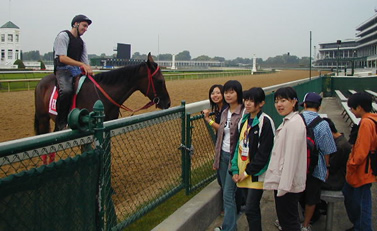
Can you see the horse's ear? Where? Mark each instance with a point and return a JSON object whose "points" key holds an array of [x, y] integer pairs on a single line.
{"points": [[150, 58]]}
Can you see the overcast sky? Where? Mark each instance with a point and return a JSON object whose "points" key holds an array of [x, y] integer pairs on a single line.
{"points": [[225, 28]]}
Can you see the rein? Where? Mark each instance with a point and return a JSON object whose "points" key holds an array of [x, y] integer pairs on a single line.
{"points": [[155, 100]]}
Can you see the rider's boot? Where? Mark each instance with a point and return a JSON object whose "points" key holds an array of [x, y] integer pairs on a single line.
{"points": [[62, 117]]}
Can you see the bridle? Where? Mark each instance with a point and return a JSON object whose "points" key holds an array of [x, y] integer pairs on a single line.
{"points": [[156, 99]]}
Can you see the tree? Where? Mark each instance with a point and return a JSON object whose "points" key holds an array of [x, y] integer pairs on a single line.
{"points": [[304, 62], [137, 55], [31, 55], [216, 58], [165, 57], [19, 63], [202, 58], [183, 56], [285, 60], [239, 62], [48, 56]]}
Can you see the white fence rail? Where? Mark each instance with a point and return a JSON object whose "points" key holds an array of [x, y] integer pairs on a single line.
{"points": [[28, 81]]}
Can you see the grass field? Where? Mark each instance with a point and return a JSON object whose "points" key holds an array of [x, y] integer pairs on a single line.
{"points": [[6, 85]]}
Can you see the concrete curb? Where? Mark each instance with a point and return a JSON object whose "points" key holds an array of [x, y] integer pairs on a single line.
{"points": [[198, 213]]}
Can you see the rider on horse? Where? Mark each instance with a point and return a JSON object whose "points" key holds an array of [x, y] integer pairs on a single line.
{"points": [[70, 60]]}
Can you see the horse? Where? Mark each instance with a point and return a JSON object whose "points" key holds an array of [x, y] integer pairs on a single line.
{"points": [[113, 88]]}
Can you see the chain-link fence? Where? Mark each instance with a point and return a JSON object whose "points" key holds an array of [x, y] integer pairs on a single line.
{"points": [[202, 138], [62, 181], [39, 196], [145, 165], [105, 178]]}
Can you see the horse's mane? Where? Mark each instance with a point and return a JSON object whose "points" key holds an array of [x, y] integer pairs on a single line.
{"points": [[118, 75]]}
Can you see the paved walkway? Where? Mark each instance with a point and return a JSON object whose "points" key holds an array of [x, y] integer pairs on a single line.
{"points": [[332, 108]]}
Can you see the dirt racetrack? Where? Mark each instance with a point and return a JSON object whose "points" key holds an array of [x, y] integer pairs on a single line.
{"points": [[17, 108]]}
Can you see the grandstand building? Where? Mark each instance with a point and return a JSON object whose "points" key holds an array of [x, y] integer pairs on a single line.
{"points": [[10, 45], [360, 52]]}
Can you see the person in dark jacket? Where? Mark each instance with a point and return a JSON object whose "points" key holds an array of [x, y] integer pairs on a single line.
{"points": [[337, 168], [253, 153], [218, 105], [338, 160]]}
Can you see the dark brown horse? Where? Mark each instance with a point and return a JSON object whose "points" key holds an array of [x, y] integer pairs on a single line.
{"points": [[119, 84]]}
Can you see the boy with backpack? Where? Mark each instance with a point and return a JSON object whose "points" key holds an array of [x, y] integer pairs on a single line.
{"points": [[319, 159], [360, 172]]}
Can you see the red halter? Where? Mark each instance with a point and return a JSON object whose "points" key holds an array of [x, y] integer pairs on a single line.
{"points": [[155, 100]]}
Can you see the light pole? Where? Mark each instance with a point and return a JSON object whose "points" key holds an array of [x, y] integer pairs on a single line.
{"points": [[310, 57], [353, 62], [338, 55]]}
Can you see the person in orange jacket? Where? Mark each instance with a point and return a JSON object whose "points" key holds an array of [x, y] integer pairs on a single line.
{"points": [[359, 175]]}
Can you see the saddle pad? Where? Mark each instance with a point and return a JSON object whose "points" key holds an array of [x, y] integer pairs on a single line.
{"points": [[52, 102], [54, 96]]}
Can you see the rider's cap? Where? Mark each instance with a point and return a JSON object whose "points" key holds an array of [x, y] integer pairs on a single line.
{"points": [[81, 18]]}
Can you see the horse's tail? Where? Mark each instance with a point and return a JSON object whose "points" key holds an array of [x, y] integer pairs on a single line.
{"points": [[41, 116], [41, 124]]}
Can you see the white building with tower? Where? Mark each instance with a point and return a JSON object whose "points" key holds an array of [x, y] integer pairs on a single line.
{"points": [[10, 45]]}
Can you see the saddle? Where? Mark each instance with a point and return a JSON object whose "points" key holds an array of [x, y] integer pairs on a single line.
{"points": [[77, 84]]}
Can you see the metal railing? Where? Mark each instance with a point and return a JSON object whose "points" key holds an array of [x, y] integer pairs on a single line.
{"points": [[124, 167], [27, 81], [30, 83], [144, 160]]}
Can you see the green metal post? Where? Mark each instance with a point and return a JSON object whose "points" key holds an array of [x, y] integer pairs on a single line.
{"points": [[183, 142], [188, 154], [99, 117]]}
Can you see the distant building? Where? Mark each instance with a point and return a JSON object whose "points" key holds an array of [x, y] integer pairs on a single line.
{"points": [[360, 52], [123, 58], [10, 44], [344, 51], [367, 39]]}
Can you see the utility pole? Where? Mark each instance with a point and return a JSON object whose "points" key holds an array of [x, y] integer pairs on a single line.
{"points": [[338, 56], [310, 57], [158, 47]]}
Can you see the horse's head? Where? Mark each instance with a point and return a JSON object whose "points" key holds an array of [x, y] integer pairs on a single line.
{"points": [[154, 86]]}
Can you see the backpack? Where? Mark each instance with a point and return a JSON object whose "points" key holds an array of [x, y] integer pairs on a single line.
{"points": [[372, 157], [311, 146]]}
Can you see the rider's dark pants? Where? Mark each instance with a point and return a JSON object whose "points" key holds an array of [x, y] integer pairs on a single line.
{"points": [[64, 80]]}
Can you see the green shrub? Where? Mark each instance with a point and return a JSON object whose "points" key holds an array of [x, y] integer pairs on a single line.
{"points": [[19, 63], [43, 66]]}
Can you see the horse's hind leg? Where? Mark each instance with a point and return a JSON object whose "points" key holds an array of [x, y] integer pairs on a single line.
{"points": [[42, 126]]}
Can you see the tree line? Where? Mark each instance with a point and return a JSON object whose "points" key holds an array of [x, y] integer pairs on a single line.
{"points": [[284, 60]]}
